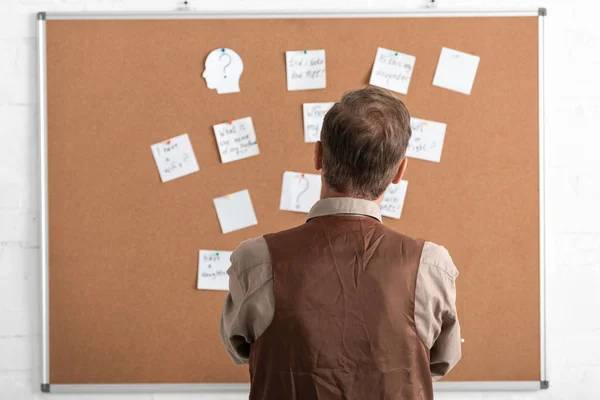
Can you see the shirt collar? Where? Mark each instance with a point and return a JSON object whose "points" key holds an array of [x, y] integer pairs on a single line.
{"points": [[344, 206]]}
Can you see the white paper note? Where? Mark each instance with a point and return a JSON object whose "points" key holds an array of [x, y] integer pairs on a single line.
{"points": [[392, 70], [175, 158], [212, 269], [313, 120], [427, 140], [393, 200], [236, 139], [456, 70], [299, 192], [235, 211], [305, 69]]}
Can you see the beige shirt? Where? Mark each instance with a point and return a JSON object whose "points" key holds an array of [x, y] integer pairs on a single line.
{"points": [[250, 305]]}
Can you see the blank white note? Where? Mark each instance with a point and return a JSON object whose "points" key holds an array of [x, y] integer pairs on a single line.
{"points": [[175, 158], [235, 211], [393, 200], [212, 269], [456, 70], [236, 139], [427, 140], [313, 120], [299, 191], [305, 69], [392, 70]]}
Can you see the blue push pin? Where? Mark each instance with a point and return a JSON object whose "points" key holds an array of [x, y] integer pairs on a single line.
{"points": [[223, 50]]}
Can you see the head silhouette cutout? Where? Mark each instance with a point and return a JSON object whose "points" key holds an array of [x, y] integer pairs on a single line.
{"points": [[223, 69]]}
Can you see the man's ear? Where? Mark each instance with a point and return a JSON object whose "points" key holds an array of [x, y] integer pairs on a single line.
{"points": [[318, 156], [401, 170]]}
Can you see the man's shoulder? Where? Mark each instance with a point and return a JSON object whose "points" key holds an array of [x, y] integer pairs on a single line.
{"points": [[438, 257], [249, 254]]}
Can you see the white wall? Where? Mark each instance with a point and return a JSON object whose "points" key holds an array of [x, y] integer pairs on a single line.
{"points": [[573, 188]]}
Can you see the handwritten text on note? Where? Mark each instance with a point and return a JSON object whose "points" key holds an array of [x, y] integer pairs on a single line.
{"points": [[392, 70], [212, 269], [427, 140], [174, 158], [236, 139], [299, 192], [313, 120], [456, 70], [393, 200], [305, 69]]}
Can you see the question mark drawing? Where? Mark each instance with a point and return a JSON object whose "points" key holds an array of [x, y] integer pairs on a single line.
{"points": [[226, 65], [302, 179]]}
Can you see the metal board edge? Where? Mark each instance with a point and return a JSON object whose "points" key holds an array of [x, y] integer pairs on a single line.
{"points": [[43, 132], [355, 13], [542, 188], [245, 388]]}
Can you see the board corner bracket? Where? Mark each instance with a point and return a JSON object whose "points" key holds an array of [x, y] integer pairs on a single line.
{"points": [[544, 385]]}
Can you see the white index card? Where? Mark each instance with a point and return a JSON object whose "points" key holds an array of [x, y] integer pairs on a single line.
{"points": [[313, 120], [393, 200], [175, 158], [392, 70], [299, 192], [235, 211], [305, 69], [236, 139], [427, 140], [212, 269], [456, 70]]}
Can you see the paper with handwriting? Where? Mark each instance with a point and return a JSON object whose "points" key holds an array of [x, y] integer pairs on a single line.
{"points": [[393, 200], [299, 191], [427, 140], [236, 139], [392, 70], [313, 120], [456, 70], [212, 269], [305, 69], [235, 211], [174, 158]]}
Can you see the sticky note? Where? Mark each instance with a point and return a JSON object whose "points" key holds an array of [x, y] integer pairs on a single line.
{"points": [[427, 140], [313, 120], [236, 139], [392, 70], [456, 70], [299, 191], [175, 158], [393, 200], [212, 269], [235, 211], [305, 69]]}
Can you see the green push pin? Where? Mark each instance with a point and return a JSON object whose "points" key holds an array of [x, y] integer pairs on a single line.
{"points": [[304, 51], [396, 54]]}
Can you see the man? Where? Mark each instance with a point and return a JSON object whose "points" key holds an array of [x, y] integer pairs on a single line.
{"points": [[343, 307]]}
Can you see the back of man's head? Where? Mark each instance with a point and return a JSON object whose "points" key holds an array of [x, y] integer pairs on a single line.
{"points": [[364, 139]]}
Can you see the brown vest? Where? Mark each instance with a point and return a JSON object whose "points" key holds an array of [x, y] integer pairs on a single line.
{"points": [[344, 324]]}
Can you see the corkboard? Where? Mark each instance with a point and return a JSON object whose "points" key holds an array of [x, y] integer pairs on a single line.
{"points": [[123, 245]]}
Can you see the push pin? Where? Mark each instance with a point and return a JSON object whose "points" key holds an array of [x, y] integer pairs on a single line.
{"points": [[304, 51], [229, 196], [303, 175], [230, 122], [462, 340], [169, 141]]}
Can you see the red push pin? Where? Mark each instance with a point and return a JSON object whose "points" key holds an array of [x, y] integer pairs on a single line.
{"points": [[169, 141], [230, 122], [303, 175]]}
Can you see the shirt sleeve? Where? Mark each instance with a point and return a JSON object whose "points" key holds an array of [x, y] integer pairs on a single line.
{"points": [[435, 309], [250, 304]]}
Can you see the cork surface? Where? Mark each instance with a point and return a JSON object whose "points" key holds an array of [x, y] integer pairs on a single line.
{"points": [[124, 246]]}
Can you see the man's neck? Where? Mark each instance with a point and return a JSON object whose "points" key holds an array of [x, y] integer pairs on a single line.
{"points": [[327, 193]]}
